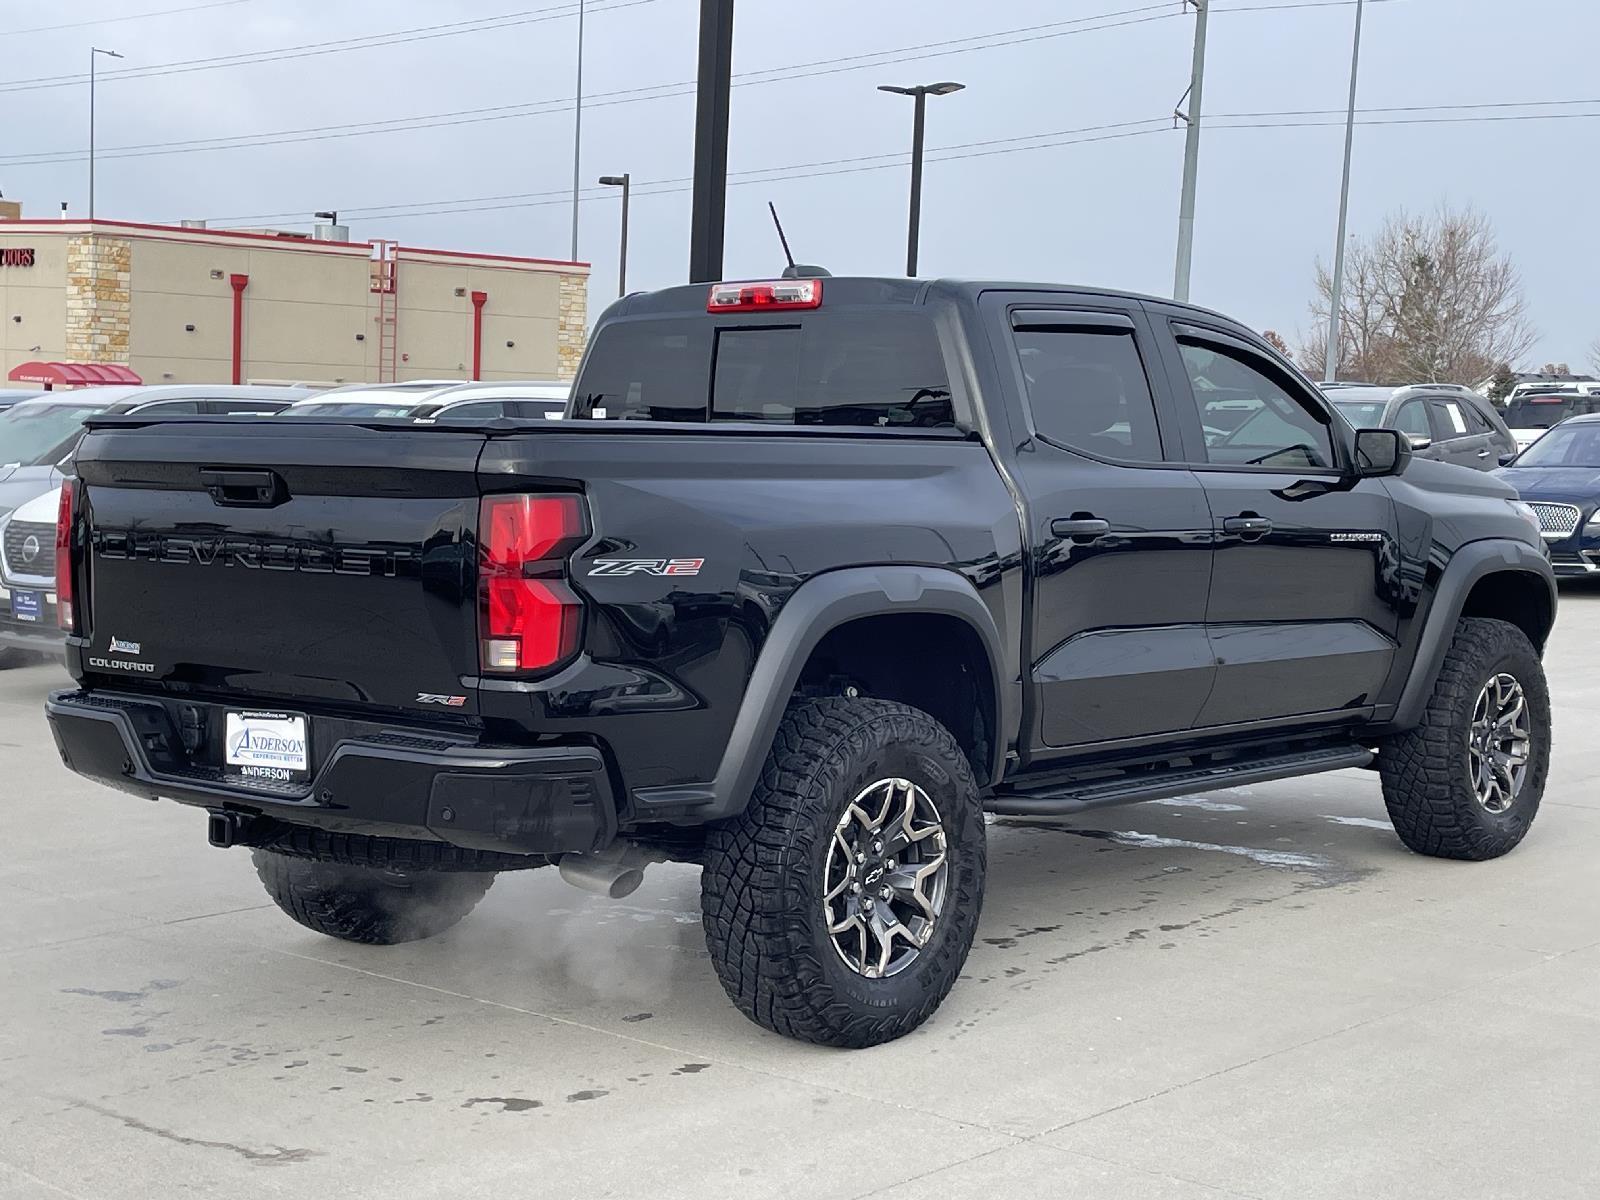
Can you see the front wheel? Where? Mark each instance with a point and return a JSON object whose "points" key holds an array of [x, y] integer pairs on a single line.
{"points": [[840, 905], [377, 906], [1466, 782]]}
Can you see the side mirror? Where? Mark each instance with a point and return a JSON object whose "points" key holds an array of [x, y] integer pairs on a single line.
{"points": [[1381, 452], [1506, 459]]}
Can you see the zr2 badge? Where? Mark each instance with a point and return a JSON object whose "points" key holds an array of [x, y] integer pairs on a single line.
{"points": [[647, 566]]}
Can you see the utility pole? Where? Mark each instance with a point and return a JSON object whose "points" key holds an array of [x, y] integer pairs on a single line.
{"points": [[1191, 152], [1330, 366], [711, 141], [577, 136], [93, 53]]}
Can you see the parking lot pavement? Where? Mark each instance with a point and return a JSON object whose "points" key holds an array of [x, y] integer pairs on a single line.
{"points": [[1253, 993]]}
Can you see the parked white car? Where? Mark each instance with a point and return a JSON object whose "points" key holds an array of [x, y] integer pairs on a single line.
{"points": [[28, 579], [432, 403]]}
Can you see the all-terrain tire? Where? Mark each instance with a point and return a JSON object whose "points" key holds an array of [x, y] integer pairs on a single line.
{"points": [[762, 892], [1428, 785], [369, 905]]}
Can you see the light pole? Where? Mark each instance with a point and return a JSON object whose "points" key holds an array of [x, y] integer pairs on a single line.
{"points": [[920, 95], [93, 51], [1330, 366], [622, 181], [577, 136]]}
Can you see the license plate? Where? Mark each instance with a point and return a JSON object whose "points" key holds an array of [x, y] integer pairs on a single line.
{"points": [[27, 606], [267, 747]]}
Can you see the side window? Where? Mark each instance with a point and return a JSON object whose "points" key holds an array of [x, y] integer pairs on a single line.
{"points": [[1248, 418], [1476, 421], [170, 407], [480, 410], [536, 410], [1088, 391], [1452, 424], [258, 408], [1412, 420]]}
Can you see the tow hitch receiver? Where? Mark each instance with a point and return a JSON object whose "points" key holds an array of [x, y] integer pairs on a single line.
{"points": [[226, 829]]}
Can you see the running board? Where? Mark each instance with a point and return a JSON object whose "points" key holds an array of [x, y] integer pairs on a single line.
{"points": [[1072, 798]]}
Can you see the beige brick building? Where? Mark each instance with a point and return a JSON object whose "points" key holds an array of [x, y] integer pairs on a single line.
{"points": [[190, 305]]}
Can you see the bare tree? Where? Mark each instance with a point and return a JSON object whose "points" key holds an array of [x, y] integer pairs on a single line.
{"points": [[1594, 356], [1428, 298]]}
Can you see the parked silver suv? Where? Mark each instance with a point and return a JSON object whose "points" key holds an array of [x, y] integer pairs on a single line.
{"points": [[1443, 421]]}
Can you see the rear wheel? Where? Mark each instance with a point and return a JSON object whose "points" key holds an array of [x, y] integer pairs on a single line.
{"points": [[375, 906], [840, 906], [1467, 781]]}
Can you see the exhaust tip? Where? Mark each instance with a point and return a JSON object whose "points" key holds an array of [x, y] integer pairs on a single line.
{"points": [[604, 876]]}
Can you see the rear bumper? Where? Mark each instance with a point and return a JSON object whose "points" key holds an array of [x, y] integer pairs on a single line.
{"points": [[384, 783]]}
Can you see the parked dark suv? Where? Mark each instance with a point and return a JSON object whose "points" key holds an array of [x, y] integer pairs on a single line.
{"points": [[1442, 421]]}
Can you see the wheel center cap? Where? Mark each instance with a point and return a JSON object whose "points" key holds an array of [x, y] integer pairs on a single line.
{"points": [[873, 875]]}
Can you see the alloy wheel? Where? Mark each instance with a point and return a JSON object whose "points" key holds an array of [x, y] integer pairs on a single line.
{"points": [[886, 878], [1499, 743]]}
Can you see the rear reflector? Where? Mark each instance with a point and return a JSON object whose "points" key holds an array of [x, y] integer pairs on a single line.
{"points": [[765, 297], [528, 618], [64, 612]]}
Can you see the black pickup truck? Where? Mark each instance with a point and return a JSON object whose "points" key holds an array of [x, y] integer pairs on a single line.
{"points": [[816, 573]]}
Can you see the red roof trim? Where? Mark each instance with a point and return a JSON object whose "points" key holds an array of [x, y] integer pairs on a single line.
{"points": [[516, 258], [61, 374]]}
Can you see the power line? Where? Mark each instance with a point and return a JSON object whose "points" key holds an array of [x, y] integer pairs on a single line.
{"points": [[982, 149], [398, 37], [1417, 121], [896, 157], [806, 70], [776, 178], [160, 12]]}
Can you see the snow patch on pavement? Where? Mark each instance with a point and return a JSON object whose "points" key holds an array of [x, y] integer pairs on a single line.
{"points": [[1199, 802]]}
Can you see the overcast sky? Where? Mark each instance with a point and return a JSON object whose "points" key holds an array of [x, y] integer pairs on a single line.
{"points": [[1100, 212]]}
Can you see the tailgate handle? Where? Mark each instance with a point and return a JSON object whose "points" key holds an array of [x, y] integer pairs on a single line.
{"points": [[245, 489]]}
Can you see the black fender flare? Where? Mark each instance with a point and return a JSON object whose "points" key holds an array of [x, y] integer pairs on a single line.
{"points": [[819, 605], [1466, 567]]}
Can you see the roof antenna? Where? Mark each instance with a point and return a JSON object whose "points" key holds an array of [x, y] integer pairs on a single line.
{"points": [[793, 271], [773, 209]]}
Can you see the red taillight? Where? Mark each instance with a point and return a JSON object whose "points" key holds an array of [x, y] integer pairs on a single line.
{"points": [[765, 297], [64, 612], [529, 618]]}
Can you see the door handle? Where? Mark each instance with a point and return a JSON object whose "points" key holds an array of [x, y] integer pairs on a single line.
{"points": [[1080, 529], [1249, 528], [1484, 453]]}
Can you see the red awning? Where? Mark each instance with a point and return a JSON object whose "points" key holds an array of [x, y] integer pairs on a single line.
{"points": [[60, 374]]}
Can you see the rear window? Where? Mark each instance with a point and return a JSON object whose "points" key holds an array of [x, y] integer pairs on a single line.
{"points": [[851, 367], [1362, 415], [1541, 412], [32, 435]]}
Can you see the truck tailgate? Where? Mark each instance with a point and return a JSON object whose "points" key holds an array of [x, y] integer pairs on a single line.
{"points": [[282, 559]]}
